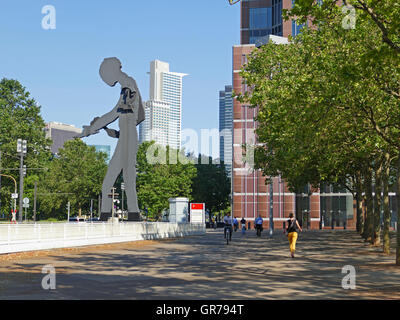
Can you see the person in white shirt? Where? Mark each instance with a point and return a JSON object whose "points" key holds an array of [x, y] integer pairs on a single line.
{"points": [[228, 224]]}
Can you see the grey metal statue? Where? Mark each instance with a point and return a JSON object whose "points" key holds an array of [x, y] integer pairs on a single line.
{"points": [[130, 112]]}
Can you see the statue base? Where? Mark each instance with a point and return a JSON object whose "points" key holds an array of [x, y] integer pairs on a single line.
{"points": [[134, 216], [105, 216]]}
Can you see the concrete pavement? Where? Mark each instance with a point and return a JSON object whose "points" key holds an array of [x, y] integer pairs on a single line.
{"points": [[204, 267]]}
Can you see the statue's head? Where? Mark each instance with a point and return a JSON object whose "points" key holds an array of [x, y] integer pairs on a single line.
{"points": [[110, 71]]}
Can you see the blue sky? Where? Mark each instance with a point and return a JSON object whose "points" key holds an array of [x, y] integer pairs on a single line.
{"points": [[60, 67]]}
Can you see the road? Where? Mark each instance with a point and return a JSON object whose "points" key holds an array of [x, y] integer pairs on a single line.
{"points": [[204, 267]]}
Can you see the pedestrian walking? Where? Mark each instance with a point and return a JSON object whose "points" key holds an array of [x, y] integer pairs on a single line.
{"points": [[293, 226], [235, 224], [243, 222], [259, 225]]}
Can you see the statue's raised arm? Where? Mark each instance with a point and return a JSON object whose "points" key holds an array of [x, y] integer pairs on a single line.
{"points": [[99, 123]]}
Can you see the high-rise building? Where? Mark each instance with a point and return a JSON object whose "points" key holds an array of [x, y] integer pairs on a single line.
{"points": [[226, 127], [261, 21], [166, 98], [156, 126], [59, 133]]}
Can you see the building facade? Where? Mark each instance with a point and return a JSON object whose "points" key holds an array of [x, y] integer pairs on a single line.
{"points": [[59, 133], [157, 127], [261, 21], [165, 89], [226, 128], [261, 18]]}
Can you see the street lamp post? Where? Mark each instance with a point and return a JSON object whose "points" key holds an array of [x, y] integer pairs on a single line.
{"points": [[34, 202], [271, 210], [21, 149], [122, 191], [91, 209]]}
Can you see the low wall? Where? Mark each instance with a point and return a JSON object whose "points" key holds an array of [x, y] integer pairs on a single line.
{"points": [[29, 237]]}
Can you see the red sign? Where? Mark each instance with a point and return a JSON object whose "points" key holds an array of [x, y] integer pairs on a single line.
{"points": [[197, 206]]}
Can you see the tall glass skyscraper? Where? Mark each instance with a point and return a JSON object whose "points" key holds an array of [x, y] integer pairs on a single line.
{"points": [[165, 106], [226, 128], [156, 126]]}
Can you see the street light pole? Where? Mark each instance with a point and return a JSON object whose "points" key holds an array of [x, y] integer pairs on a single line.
{"points": [[91, 209], [122, 191], [112, 207], [271, 210], [34, 203], [21, 149]]}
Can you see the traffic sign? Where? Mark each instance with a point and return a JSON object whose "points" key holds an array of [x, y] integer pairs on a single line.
{"points": [[14, 196], [25, 205], [25, 200], [115, 195]]}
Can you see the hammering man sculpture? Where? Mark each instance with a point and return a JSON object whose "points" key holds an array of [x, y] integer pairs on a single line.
{"points": [[130, 112]]}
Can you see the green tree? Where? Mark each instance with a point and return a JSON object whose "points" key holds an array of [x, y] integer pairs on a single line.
{"points": [[20, 118], [162, 173], [76, 175], [211, 185], [326, 114]]}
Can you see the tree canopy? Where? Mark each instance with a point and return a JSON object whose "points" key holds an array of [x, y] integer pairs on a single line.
{"points": [[158, 181]]}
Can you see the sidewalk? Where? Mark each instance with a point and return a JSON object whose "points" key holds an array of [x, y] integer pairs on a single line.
{"points": [[204, 267]]}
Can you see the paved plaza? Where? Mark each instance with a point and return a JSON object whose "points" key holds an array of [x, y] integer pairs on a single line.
{"points": [[204, 267]]}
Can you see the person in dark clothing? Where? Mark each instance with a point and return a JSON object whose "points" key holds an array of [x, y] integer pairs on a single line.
{"points": [[291, 230], [243, 222]]}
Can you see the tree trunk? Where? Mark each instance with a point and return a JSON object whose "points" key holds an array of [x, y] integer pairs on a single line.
{"points": [[360, 222], [386, 209], [367, 235], [376, 235], [398, 213]]}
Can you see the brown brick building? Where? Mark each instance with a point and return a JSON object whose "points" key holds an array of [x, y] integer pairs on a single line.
{"points": [[261, 20]]}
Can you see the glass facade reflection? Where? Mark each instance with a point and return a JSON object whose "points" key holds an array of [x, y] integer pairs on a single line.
{"points": [[260, 18], [336, 205]]}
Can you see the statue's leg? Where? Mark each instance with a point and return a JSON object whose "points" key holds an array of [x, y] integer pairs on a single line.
{"points": [[129, 173], [113, 171]]}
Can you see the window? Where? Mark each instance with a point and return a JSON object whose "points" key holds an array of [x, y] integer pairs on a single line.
{"points": [[260, 18]]}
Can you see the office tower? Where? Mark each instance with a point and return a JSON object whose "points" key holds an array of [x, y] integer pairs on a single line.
{"points": [[261, 22], [226, 127], [166, 100], [157, 125], [59, 133]]}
